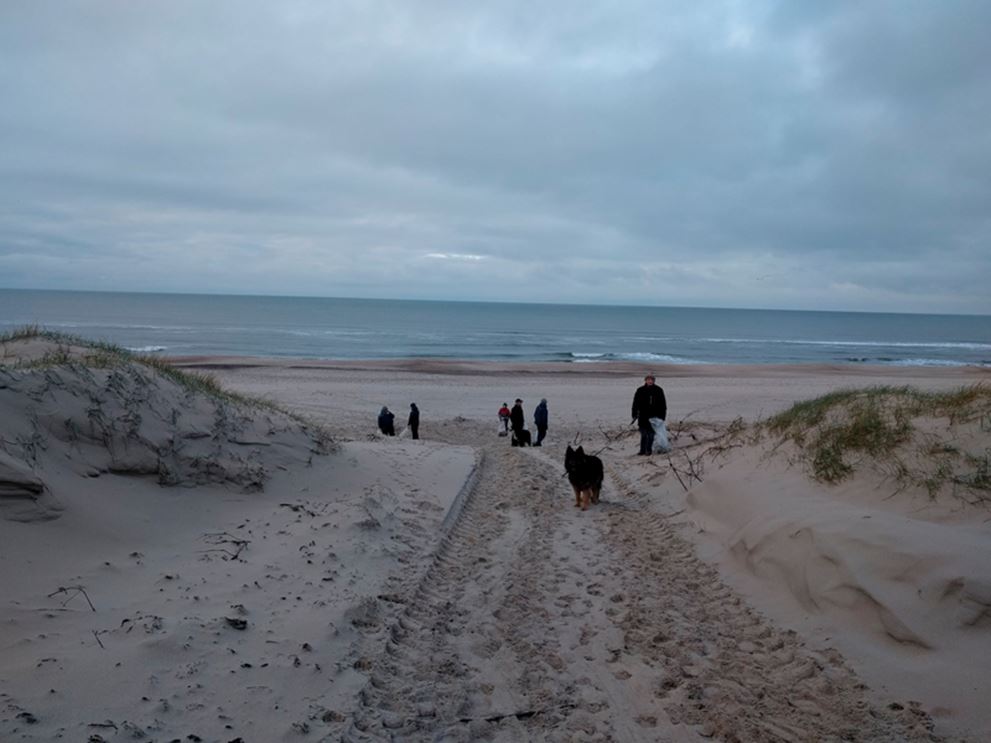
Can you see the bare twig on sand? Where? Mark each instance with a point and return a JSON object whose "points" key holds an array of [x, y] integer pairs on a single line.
{"points": [[718, 449], [227, 544], [692, 471], [678, 428], [521, 715], [678, 475], [298, 508], [77, 589], [96, 634], [613, 437]]}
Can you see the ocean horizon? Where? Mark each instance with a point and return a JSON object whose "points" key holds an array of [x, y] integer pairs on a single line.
{"points": [[345, 328]]}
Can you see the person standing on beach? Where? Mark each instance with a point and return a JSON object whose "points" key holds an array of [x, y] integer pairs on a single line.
{"points": [[517, 419], [414, 420], [540, 420], [504, 419], [386, 422], [648, 402]]}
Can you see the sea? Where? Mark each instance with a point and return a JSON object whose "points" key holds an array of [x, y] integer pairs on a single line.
{"points": [[334, 328]]}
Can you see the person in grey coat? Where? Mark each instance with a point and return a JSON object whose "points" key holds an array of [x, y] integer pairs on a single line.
{"points": [[540, 420]]}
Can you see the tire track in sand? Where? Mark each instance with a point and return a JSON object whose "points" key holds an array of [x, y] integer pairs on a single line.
{"points": [[537, 621], [497, 640], [439, 671]]}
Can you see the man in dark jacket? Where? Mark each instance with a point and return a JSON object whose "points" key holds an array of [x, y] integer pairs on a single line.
{"points": [[516, 418], [414, 420], [540, 421], [648, 402]]}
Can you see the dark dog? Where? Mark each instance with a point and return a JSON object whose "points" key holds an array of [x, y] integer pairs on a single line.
{"points": [[520, 438], [585, 475]]}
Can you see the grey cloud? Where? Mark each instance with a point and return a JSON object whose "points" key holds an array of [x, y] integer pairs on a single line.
{"points": [[657, 153]]}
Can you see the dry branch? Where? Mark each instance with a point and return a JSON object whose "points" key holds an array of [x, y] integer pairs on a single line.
{"points": [[678, 428], [78, 590], [220, 540], [520, 715], [298, 508], [613, 437], [678, 475], [693, 471]]}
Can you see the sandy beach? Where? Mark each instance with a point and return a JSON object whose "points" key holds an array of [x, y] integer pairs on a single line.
{"points": [[178, 568]]}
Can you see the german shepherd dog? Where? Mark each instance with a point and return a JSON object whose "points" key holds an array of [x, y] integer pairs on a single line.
{"points": [[520, 438], [584, 474]]}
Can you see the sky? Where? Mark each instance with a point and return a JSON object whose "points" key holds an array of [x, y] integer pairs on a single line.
{"points": [[794, 155]]}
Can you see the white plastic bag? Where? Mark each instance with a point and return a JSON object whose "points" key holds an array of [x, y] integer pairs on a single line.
{"points": [[661, 443]]}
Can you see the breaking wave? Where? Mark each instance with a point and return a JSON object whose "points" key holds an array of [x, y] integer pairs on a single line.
{"points": [[662, 358]]}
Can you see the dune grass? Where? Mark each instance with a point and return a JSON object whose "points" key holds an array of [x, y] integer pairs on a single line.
{"points": [[835, 432], [25, 332], [95, 354]]}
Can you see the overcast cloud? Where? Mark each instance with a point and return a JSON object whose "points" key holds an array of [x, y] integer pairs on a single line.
{"points": [[826, 155]]}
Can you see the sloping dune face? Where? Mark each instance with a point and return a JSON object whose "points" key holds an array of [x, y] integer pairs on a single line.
{"points": [[178, 563], [120, 416], [868, 518]]}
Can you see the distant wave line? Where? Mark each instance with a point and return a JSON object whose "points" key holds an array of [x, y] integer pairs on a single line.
{"points": [[885, 361], [108, 326], [970, 346]]}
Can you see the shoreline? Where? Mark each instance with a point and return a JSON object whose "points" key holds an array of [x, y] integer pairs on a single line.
{"points": [[347, 395], [455, 366]]}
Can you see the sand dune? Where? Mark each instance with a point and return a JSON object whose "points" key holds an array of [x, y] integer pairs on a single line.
{"points": [[182, 566], [905, 594]]}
